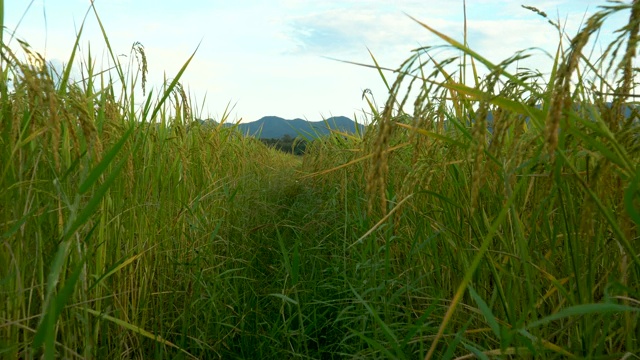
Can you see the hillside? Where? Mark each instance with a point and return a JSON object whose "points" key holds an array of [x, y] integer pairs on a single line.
{"points": [[274, 127]]}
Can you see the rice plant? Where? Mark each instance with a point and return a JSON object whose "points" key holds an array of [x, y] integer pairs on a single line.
{"points": [[509, 205]]}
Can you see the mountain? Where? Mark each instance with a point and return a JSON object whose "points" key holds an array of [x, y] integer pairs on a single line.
{"points": [[273, 127]]}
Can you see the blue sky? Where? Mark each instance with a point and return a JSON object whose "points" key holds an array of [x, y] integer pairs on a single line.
{"points": [[270, 57]]}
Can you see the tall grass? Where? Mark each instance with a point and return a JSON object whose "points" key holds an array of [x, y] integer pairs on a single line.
{"points": [[509, 205], [498, 218], [112, 215]]}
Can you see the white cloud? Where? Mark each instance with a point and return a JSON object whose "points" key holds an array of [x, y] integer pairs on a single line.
{"points": [[267, 56]]}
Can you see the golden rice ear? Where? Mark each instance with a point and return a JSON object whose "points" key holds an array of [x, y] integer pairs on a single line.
{"points": [[376, 187], [561, 99], [186, 107], [37, 88], [138, 49], [379, 166], [632, 45], [623, 92]]}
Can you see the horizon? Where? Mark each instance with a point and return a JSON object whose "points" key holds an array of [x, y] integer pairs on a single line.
{"points": [[283, 63], [294, 119]]}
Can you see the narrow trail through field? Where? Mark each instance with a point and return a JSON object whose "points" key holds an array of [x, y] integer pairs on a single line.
{"points": [[288, 265], [293, 206]]}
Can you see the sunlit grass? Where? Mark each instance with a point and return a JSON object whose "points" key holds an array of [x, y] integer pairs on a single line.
{"points": [[509, 204], [497, 218]]}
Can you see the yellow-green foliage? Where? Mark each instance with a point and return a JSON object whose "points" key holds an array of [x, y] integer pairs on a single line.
{"points": [[526, 193], [102, 206]]}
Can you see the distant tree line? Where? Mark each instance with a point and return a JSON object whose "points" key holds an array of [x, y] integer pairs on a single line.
{"points": [[288, 144]]}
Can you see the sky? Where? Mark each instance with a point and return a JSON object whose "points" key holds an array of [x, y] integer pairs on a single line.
{"points": [[277, 57]]}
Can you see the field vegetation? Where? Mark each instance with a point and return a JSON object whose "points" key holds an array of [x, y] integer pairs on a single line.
{"points": [[490, 216], [288, 144]]}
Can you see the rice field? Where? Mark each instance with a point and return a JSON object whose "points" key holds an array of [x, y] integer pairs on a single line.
{"points": [[477, 216]]}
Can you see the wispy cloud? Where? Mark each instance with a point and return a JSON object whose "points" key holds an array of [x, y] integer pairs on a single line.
{"points": [[268, 56], [323, 33], [350, 31]]}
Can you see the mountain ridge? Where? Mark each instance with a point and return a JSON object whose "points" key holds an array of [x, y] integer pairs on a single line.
{"points": [[275, 127]]}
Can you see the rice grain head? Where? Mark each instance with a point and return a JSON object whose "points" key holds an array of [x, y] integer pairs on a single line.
{"points": [[561, 100], [138, 50]]}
